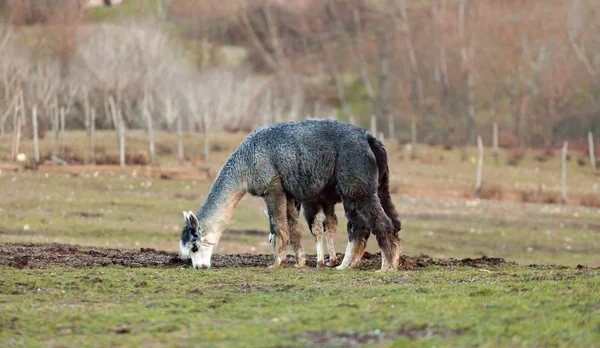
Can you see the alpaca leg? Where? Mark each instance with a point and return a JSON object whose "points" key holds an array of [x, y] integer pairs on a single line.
{"points": [[367, 215], [356, 240], [330, 230], [317, 230], [296, 232], [362, 245], [277, 211]]}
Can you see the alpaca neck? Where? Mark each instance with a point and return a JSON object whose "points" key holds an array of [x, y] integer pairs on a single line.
{"points": [[226, 192]]}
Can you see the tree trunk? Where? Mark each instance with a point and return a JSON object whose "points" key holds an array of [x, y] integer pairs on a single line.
{"points": [[412, 57], [591, 150], [564, 174], [467, 60], [36, 148], [479, 179], [381, 106]]}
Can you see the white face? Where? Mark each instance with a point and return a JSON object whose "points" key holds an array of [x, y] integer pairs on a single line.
{"points": [[196, 249], [201, 257]]}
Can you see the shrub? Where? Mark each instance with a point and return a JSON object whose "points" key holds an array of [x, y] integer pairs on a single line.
{"points": [[507, 140], [164, 149], [590, 200], [515, 156], [528, 196], [550, 198], [491, 191]]}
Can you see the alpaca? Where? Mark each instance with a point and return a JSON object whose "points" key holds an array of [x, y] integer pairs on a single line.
{"points": [[302, 161], [322, 221]]}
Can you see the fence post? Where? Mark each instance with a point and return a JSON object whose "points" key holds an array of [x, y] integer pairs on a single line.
{"points": [[495, 142], [36, 148], [591, 150], [413, 132], [373, 125], [479, 178], [564, 174], [91, 131], [62, 131]]}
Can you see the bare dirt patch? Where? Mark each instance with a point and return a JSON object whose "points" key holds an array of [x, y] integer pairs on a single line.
{"points": [[33, 255]]}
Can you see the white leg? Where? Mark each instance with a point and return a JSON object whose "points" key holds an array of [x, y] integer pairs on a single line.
{"points": [[317, 230], [330, 229], [320, 253], [347, 257]]}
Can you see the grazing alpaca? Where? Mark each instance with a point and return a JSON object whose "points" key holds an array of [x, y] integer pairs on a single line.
{"points": [[302, 161], [322, 222]]}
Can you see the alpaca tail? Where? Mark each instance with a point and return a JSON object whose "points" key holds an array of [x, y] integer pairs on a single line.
{"points": [[384, 181]]}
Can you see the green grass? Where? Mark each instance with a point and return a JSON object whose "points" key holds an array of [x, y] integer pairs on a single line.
{"points": [[129, 9], [251, 307]]}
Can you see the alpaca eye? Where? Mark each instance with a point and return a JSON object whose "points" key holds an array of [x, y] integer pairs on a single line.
{"points": [[194, 248]]}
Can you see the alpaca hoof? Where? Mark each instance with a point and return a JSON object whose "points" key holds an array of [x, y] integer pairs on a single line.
{"points": [[320, 264], [299, 265], [341, 267], [331, 263]]}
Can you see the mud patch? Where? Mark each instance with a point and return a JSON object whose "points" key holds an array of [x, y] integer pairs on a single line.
{"points": [[34, 255], [350, 339]]}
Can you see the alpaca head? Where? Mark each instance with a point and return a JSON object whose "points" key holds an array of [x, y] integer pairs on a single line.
{"points": [[191, 243]]}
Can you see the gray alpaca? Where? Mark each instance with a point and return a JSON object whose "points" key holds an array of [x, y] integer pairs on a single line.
{"points": [[304, 161], [322, 222]]}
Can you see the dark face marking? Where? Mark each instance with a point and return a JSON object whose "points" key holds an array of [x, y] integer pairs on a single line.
{"points": [[194, 248]]}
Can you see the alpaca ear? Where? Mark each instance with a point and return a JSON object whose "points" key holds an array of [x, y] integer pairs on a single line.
{"points": [[193, 220], [186, 216], [266, 213]]}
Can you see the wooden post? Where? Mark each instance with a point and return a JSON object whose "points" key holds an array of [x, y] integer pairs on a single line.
{"points": [[316, 109], [391, 126], [479, 168], [564, 174], [413, 132], [351, 120], [16, 132], [495, 142], [121, 142], [36, 148], [120, 127], [591, 150], [373, 125], [206, 143], [179, 138], [148, 117], [91, 131], [62, 130]]}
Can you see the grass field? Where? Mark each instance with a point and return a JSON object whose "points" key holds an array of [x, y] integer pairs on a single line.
{"points": [[538, 297]]}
